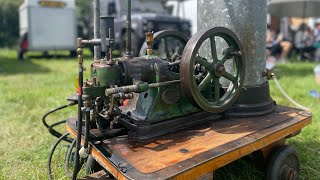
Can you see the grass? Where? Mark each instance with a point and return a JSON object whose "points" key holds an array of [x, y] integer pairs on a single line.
{"points": [[32, 87]]}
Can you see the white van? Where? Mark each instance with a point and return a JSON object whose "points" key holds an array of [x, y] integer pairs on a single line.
{"points": [[47, 25]]}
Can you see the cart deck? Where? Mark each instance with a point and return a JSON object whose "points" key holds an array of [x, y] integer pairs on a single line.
{"points": [[196, 151]]}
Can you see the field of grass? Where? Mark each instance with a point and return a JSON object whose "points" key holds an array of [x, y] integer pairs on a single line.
{"points": [[30, 88]]}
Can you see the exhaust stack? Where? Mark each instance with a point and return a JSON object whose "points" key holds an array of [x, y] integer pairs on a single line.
{"points": [[96, 27], [128, 30]]}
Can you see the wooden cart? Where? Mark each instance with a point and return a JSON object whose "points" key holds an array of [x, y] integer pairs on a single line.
{"points": [[198, 151]]}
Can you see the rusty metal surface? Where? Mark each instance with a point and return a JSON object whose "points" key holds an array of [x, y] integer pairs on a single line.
{"points": [[285, 121], [101, 175]]}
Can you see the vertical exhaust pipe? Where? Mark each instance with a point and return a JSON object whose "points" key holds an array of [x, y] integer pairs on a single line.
{"points": [[96, 28], [107, 32], [128, 30]]}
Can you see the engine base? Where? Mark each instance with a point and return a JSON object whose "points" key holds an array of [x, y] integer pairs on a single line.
{"points": [[146, 132]]}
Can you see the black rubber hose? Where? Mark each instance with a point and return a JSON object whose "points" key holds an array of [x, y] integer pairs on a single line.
{"points": [[78, 142], [80, 104], [50, 127], [51, 154], [67, 158], [56, 133], [79, 124], [50, 112]]}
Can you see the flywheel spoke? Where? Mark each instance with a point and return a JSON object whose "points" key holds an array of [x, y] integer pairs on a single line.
{"points": [[216, 89], [203, 62], [224, 59], [205, 82], [213, 48], [165, 39], [230, 77]]}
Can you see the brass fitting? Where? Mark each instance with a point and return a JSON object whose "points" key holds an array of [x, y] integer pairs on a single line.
{"points": [[149, 40], [268, 74]]}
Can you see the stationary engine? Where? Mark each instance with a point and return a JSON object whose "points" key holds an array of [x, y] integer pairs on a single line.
{"points": [[172, 85], [151, 95]]}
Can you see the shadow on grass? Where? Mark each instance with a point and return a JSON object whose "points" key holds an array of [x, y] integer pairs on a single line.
{"points": [[238, 170], [48, 57], [10, 65]]}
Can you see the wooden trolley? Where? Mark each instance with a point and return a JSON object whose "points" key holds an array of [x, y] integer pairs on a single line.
{"points": [[200, 150]]}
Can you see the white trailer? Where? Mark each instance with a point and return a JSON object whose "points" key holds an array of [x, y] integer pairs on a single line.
{"points": [[47, 25]]}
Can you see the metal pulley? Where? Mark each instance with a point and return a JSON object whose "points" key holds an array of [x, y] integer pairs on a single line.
{"points": [[200, 76], [173, 43]]}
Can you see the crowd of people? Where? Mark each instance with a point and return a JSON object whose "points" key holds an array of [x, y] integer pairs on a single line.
{"points": [[304, 44]]}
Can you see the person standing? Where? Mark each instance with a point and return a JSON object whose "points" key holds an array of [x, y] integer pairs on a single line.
{"points": [[317, 41]]}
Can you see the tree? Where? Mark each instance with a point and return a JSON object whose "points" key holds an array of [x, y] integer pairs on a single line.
{"points": [[84, 16], [9, 22]]}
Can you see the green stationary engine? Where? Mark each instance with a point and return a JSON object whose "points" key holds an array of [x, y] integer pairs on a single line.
{"points": [[150, 95]]}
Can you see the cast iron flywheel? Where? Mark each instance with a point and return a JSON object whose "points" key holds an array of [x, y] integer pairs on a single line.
{"points": [[167, 37], [200, 76]]}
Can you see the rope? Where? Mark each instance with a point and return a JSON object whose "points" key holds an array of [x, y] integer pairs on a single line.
{"points": [[288, 97]]}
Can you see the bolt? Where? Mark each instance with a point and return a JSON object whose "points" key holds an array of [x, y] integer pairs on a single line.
{"points": [[221, 70], [184, 150], [123, 167], [80, 51]]}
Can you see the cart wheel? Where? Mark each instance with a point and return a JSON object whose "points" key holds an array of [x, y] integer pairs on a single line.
{"points": [[283, 164], [92, 165]]}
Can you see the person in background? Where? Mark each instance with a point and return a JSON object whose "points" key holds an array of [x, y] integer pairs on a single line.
{"points": [[304, 42], [317, 41], [278, 45]]}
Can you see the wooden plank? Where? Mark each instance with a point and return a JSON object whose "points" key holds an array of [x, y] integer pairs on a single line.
{"points": [[174, 148], [251, 144]]}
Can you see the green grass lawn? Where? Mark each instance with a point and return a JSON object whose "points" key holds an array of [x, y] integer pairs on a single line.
{"points": [[30, 88]]}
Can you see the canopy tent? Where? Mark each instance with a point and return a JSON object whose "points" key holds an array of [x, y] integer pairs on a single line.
{"points": [[294, 8]]}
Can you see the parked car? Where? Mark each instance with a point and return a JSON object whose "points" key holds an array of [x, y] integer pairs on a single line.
{"points": [[146, 16]]}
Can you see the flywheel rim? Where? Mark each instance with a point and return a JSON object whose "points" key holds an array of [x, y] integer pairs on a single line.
{"points": [[187, 69]]}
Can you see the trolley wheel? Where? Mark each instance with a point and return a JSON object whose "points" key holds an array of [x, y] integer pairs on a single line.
{"points": [[283, 164]]}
